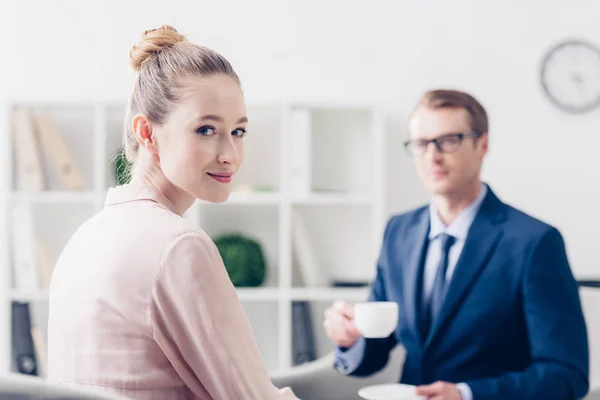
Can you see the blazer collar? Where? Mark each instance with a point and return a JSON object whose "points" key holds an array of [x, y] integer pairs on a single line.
{"points": [[129, 192]]}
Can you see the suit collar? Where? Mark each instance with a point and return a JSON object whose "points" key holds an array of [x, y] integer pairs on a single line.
{"points": [[483, 237], [411, 264]]}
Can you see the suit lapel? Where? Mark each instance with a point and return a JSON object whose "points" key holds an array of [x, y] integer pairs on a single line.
{"points": [[483, 236], [411, 271]]}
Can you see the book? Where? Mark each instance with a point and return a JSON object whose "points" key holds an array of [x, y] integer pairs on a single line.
{"points": [[312, 274], [58, 153], [300, 152], [29, 164], [303, 341], [25, 268], [44, 263], [40, 350], [24, 360]]}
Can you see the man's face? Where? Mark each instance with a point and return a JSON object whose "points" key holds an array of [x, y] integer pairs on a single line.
{"points": [[446, 173]]}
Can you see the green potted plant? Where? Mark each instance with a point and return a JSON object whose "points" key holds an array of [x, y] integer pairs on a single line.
{"points": [[243, 258], [122, 168]]}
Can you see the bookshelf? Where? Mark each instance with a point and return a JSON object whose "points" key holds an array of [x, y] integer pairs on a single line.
{"points": [[315, 166]]}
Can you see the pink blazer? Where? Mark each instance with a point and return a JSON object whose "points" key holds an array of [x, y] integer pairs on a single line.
{"points": [[141, 305]]}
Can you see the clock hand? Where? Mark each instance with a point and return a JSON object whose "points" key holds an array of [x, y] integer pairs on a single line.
{"points": [[578, 79]]}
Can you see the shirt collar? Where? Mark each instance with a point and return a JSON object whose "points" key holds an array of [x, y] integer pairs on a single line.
{"points": [[129, 192], [460, 226]]}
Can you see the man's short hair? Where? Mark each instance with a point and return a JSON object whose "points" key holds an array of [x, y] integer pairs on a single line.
{"points": [[448, 98]]}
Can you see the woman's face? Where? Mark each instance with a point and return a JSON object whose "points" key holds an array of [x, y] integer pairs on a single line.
{"points": [[200, 145]]}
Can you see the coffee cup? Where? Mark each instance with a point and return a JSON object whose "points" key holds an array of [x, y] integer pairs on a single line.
{"points": [[376, 319]]}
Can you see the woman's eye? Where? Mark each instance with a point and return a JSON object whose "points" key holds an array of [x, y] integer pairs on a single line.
{"points": [[239, 132], [206, 131]]}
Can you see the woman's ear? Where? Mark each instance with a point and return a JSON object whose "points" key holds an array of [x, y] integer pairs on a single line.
{"points": [[142, 131]]}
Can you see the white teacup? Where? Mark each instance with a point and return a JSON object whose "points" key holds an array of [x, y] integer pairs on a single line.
{"points": [[376, 319]]}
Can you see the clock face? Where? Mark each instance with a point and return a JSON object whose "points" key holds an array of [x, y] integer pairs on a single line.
{"points": [[570, 75]]}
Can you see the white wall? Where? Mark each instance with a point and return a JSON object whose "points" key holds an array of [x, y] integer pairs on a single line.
{"points": [[541, 160]]}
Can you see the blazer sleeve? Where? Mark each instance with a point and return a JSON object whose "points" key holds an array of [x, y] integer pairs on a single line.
{"points": [[368, 356], [557, 332], [201, 327]]}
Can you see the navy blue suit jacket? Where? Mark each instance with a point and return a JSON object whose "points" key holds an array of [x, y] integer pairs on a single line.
{"points": [[511, 325]]}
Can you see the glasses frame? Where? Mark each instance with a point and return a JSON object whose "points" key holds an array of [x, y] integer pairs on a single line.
{"points": [[437, 141]]}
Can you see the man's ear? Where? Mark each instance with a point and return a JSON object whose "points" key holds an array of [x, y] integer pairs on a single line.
{"points": [[484, 140], [142, 131]]}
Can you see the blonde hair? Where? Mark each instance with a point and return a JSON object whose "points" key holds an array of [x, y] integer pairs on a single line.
{"points": [[448, 98], [161, 58]]}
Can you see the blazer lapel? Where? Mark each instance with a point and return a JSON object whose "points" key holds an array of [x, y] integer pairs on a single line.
{"points": [[483, 236], [411, 269]]}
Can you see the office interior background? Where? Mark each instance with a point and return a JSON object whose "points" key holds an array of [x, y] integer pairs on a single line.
{"points": [[329, 85]]}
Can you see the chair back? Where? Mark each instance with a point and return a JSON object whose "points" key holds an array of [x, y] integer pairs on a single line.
{"points": [[26, 387]]}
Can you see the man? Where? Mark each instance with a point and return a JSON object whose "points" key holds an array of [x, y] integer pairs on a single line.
{"points": [[489, 308]]}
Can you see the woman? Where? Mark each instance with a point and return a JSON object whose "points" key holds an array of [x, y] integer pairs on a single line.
{"points": [[140, 302]]}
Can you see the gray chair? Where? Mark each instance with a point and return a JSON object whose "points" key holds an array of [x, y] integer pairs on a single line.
{"points": [[25, 387], [590, 302], [318, 380]]}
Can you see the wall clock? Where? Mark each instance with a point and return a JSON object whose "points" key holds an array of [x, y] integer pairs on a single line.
{"points": [[570, 75]]}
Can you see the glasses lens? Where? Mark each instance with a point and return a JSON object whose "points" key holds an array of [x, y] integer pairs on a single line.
{"points": [[416, 147], [449, 143]]}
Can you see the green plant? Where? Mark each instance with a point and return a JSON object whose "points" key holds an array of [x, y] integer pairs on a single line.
{"points": [[122, 168], [243, 258]]}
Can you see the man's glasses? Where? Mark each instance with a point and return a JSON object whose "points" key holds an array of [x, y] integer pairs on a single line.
{"points": [[448, 143]]}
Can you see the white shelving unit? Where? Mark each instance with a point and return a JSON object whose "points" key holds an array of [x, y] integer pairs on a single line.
{"points": [[342, 210]]}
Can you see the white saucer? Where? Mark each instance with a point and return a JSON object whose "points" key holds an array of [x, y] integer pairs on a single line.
{"points": [[392, 391]]}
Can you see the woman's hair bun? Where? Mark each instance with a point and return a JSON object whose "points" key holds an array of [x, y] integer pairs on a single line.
{"points": [[153, 41]]}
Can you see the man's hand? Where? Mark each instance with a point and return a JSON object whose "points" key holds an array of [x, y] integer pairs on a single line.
{"points": [[338, 324], [439, 391]]}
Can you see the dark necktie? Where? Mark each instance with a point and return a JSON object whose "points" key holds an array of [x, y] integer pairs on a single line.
{"points": [[433, 306]]}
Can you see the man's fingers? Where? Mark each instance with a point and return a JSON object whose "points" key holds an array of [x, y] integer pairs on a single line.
{"points": [[328, 312], [345, 325], [344, 308], [341, 331], [338, 324], [340, 338], [334, 316], [424, 390], [434, 389], [351, 329], [341, 324]]}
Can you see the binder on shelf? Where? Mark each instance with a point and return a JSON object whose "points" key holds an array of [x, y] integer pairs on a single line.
{"points": [[58, 153], [44, 263], [300, 152], [305, 254], [303, 341], [40, 350], [27, 153], [24, 261], [23, 350]]}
